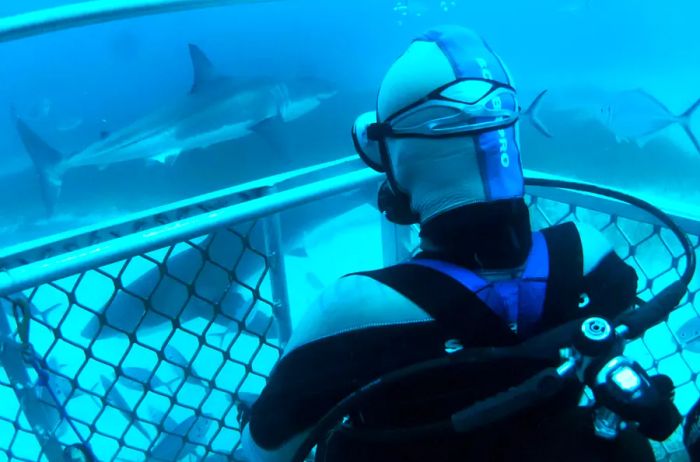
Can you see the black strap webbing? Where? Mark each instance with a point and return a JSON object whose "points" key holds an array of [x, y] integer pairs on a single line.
{"points": [[458, 310]]}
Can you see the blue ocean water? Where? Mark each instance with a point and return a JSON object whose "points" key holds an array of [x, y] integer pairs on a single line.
{"points": [[79, 86], [74, 86]]}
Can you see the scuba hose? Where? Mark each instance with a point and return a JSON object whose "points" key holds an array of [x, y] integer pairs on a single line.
{"points": [[548, 345]]}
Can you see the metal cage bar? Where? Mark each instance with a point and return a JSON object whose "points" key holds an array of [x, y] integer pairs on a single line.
{"points": [[23, 277], [278, 275], [94, 12], [234, 346]]}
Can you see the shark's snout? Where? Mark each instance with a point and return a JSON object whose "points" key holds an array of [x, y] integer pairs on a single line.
{"points": [[315, 87], [327, 94]]}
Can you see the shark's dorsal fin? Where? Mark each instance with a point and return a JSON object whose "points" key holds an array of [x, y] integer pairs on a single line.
{"points": [[202, 68]]}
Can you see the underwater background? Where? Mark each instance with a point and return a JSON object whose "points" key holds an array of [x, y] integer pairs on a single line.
{"points": [[73, 85], [156, 353]]}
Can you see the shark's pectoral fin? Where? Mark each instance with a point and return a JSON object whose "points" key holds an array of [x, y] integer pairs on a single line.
{"points": [[272, 131], [166, 157], [268, 127]]}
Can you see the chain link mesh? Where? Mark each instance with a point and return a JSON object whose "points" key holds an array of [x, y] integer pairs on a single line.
{"points": [[185, 339], [156, 356]]}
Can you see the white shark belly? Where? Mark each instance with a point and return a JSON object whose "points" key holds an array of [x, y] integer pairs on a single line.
{"points": [[162, 147], [219, 135], [292, 110], [143, 149]]}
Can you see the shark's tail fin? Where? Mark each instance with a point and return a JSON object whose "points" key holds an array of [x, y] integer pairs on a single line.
{"points": [[532, 112], [46, 161], [685, 123]]}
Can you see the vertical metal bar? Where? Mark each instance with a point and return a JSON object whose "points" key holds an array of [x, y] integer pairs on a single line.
{"points": [[272, 230]]}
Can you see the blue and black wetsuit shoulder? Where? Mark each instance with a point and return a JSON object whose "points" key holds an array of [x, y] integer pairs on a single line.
{"points": [[362, 340]]}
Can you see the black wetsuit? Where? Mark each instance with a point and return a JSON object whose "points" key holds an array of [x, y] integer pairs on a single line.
{"points": [[308, 381]]}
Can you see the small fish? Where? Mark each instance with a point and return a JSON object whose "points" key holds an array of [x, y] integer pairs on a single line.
{"points": [[137, 374], [43, 314], [689, 335], [635, 114], [531, 113], [117, 400], [170, 443], [174, 356]]}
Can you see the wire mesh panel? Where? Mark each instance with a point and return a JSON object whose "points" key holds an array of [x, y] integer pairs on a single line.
{"points": [[150, 358], [155, 357]]}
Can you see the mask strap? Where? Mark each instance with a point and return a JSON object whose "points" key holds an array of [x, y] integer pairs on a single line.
{"points": [[378, 131], [386, 163]]}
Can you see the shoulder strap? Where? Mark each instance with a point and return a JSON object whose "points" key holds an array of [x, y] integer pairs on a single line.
{"points": [[456, 308], [510, 300], [538, 262], [565, 274]]}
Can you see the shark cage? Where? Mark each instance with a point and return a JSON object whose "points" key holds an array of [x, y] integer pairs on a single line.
{"points": [[145, 337]]}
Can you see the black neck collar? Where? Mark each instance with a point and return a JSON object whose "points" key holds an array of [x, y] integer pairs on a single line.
{"points": [[495, 235]]}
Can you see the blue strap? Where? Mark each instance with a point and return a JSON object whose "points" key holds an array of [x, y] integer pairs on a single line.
{"points": [[499, 152], [518, 302], [467, 52]]}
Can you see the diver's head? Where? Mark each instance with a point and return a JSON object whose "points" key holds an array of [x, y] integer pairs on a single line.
{"points": [[445, 127]]}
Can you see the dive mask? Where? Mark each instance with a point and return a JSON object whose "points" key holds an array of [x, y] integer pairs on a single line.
{"points": [[463, 107]]}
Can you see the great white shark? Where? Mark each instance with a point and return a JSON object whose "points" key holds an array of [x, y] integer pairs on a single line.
{"points": [[218, 108]]}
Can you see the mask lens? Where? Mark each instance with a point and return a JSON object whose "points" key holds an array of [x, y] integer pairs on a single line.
{"points": [[436, 113], [468, 91], [461, 108]]}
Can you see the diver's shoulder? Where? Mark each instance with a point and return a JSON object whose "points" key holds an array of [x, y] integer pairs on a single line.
{"points": [[352, 303], [594, 245]]}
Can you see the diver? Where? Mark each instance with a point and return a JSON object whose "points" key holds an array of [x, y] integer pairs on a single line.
{"points": [[445, 132]]}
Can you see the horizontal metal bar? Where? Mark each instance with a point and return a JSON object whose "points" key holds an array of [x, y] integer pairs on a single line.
{"points": [[97, 11], [604, 204], [23, 277], [78, 261], [45, 247]]}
